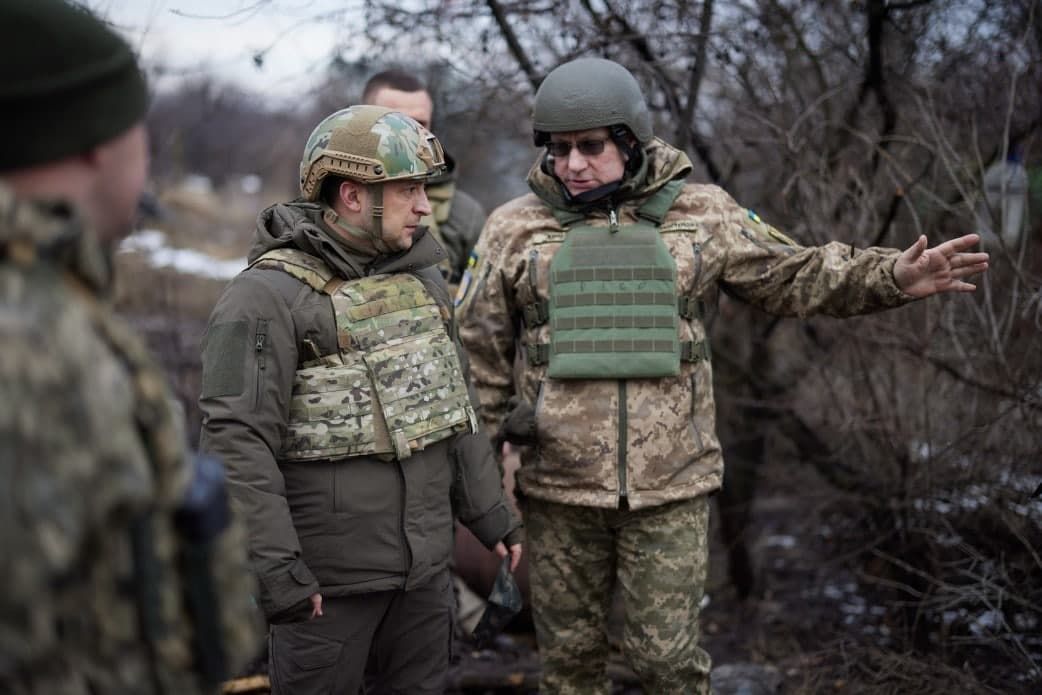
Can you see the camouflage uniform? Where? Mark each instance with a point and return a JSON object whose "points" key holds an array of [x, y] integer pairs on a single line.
{"points": [[94, 467], [634, 444], [455, 221]]}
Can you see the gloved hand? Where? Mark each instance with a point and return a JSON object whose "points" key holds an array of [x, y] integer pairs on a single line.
{"points": [[518, 426]]}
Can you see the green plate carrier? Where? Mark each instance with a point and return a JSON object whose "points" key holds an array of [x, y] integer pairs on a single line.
{"points": [[613, 308], [394, 386]]}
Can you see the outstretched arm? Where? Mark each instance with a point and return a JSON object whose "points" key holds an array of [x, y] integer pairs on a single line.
{"points": [[921, 271]]}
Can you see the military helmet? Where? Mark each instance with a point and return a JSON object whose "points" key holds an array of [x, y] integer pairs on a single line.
{"points": [[590, 93], [370, 144]]}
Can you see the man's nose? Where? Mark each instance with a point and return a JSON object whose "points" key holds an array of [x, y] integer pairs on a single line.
{"points": [[576, 159], [423, 203]]}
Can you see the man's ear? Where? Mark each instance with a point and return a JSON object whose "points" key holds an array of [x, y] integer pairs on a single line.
{"points": [[351, 195]]}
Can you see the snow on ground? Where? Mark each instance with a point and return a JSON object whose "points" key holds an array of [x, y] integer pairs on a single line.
{"points": [[153, 244]]}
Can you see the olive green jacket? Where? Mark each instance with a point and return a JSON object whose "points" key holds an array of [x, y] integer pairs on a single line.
{"points": [[648, 440], [336, 526]]}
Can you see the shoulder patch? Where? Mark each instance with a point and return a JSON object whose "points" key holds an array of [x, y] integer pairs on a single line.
{"points": [[766, 232], [467, 280]]}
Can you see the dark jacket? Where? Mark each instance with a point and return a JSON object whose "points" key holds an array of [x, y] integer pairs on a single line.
{"points": [[341, 526]]}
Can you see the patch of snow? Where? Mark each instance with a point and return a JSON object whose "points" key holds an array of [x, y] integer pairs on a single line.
{"points": [[780, 541], [987, 622], [152, 243]]}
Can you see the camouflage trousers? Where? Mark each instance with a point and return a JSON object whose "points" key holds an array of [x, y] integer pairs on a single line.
{"points": [[658, 559]]}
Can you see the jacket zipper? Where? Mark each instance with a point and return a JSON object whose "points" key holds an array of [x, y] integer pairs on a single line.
{"points": [[622, 444], [406, 550], [260, 343]]}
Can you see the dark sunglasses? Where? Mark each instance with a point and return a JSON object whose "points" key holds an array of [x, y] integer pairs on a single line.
{"points": [[587, 148]]}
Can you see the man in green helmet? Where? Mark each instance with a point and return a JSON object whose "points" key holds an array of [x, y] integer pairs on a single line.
{"points": [[455, 218], [595, 277], [335, 389], [123, 570]]}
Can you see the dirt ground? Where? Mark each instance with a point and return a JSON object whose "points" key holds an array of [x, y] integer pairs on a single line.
{"points": [[812, 627]]}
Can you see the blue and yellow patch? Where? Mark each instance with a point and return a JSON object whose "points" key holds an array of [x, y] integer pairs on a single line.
{"points": [[467, 280], [766, 231]]}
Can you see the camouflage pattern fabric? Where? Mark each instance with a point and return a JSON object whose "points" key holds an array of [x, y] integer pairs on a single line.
{"points": [[653, 439], [395, 386], [369, 144], [89, 447], [660, 557], [455, 221], [349, 525]]}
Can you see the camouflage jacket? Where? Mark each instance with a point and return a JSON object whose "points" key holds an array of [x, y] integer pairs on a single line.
{"points": [[652, 440], [344, 526], [91, 448], [456, 221]]}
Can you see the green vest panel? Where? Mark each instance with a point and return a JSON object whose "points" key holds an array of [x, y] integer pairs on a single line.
{"points": [[394, 386], [613, 305]]}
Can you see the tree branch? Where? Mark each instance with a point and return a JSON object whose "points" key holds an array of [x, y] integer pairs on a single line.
{"points": [[697, 72], [523, 61]]}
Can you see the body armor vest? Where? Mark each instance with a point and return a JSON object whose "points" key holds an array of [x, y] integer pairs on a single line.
{"points": [[613, 308], [395, 384], [613, 305]]}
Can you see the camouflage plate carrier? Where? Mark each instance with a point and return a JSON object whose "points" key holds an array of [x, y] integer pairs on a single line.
{"points": [[394, 386]]}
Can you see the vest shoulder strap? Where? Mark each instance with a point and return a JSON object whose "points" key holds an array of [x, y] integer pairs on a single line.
{"points": [[567, 218], [655, 208], [303, 266]]}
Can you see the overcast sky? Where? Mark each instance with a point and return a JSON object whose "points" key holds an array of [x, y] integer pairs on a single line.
{"points": [[222, 36]]}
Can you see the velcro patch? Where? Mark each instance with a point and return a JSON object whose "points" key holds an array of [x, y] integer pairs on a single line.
{"points": [[224, 359]]}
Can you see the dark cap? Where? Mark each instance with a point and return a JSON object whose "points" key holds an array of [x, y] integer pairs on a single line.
{"points": [[68, 82]]}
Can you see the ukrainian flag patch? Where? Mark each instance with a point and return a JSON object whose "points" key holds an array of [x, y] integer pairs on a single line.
{"points": [[467, 279]]}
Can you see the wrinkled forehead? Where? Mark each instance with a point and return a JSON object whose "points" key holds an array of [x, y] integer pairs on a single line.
{"points": [[579, 135]]}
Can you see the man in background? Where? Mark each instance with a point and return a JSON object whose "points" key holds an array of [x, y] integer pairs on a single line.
{"points": [[123, 573], [456, 218]]}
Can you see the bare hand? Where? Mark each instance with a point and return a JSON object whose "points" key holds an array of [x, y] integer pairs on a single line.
{"points": [[515, 554], [922, 271], [316, 605]]}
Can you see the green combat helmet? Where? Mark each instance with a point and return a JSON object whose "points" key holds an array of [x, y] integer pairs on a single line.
{"points": [[372, 145], [590, 93]]}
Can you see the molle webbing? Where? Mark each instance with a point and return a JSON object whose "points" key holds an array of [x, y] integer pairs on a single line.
{"points": [[613, 305], [613, 309], [395, 385]]}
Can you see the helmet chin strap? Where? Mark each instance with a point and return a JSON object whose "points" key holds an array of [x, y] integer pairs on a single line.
{"points": [[376, 196]]}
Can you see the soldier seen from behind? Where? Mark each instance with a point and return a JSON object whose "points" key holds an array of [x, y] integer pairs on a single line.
{"points": [[335, 388], [596, 278], [124, 572], [455, 218]]}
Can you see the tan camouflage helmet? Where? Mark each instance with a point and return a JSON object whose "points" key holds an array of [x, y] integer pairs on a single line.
{"points": [[370, 144]]}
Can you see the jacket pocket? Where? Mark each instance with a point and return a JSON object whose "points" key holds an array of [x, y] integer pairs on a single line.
{"points": [[577, 434]]}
